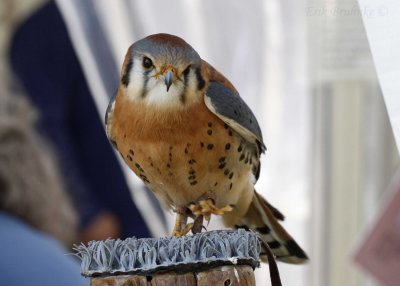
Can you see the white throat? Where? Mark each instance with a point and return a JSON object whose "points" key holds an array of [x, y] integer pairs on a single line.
{"points": [[158, 95]]}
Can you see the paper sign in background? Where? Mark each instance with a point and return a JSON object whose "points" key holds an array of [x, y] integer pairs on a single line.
{"points": [[380, 252]]}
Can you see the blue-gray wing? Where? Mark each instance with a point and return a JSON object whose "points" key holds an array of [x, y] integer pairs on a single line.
{"points": [[230, 107]]}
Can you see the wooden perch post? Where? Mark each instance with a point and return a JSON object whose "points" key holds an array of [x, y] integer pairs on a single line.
{"points": [[218, 276]]}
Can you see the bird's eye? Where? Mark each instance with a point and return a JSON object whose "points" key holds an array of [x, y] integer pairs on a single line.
{"points": [[186, 71], [147, 63]]}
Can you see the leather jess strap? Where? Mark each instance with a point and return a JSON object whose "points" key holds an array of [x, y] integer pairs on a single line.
{"points": [[273, 268]]}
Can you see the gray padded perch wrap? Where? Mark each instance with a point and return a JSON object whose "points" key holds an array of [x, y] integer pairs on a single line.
{"points": [[149, 255]]}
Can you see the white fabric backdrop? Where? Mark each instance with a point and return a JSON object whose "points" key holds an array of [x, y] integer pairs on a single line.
{"points": [[382, 25]]}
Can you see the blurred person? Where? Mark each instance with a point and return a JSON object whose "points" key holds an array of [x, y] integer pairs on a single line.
{"points": [[43, 59], [36, 216]]}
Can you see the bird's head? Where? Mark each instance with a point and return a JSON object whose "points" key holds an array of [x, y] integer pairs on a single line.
{"points": [[162, 70]]}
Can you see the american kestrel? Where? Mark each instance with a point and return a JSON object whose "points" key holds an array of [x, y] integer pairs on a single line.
{"points": [[182, 127]]}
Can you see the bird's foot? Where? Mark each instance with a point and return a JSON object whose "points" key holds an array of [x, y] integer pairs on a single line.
{"points": [[207, 207], [181, 227], [182, 232]]}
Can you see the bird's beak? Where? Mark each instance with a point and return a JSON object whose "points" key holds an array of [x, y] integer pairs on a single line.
{"points": [[169, 77]]}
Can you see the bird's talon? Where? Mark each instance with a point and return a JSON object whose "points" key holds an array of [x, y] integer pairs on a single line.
{"points": [[183, 232]]}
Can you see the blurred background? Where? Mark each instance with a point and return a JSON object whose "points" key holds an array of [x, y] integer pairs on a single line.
{"points": [[304, 67]]}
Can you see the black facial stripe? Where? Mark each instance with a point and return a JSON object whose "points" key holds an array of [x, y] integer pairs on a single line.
{"points": [[182, 96], [125, 77], [146, 80], [186, 71], [200, 80]]}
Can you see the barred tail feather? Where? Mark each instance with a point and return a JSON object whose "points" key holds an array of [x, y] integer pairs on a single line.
{"points": [[263, 218]]}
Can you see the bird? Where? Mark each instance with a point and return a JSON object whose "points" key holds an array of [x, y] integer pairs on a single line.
{"points": [[184, 130]]}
